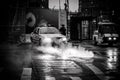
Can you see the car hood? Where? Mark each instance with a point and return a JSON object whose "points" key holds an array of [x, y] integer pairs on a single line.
{"points": [[52, 35]]}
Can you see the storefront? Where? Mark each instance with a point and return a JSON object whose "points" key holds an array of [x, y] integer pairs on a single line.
{"points": [[81, 28]]}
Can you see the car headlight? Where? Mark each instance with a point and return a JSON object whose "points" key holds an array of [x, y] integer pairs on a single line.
{"points": [[64, 39], [114, 38], [109, 38]]}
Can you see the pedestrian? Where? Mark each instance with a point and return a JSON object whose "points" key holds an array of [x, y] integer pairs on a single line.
{"points": [[63, 30]]}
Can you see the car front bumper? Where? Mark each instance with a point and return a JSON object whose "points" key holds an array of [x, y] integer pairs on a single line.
{"points": [[110, 40]]}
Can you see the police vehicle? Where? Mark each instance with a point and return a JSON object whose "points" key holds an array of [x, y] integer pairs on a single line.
{"points": [[105, 33]]}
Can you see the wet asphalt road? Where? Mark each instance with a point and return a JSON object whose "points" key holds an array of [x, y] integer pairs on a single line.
{"points": [[43, 66], [104, 66]]}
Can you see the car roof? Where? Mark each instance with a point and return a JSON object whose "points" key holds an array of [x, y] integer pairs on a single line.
{"points": [[45, 27]]}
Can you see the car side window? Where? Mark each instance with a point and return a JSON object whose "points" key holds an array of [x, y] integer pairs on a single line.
{"points": [[35, 31]]}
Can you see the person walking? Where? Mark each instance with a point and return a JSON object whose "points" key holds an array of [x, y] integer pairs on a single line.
{"points": [[63, 30]]}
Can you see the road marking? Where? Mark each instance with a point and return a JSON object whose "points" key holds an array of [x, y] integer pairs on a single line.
{"points": [[94, 69], [75, 78], [26, 74], [49, 78], [77, 66], [97, 71], [62, 64], [97, 52], [71, 77], [64, 67]]}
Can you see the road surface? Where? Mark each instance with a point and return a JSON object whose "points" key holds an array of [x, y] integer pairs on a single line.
{"points": [[27, 62]]}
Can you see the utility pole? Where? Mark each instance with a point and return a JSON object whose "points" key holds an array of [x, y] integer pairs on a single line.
{"points": [[59, 14], [67, 17]]}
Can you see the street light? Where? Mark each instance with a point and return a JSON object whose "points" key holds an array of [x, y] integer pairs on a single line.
{"points": [[67, 17]]}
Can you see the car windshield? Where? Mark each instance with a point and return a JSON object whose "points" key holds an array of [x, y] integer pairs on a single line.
{"points": [[107, 29], [49, 30]]}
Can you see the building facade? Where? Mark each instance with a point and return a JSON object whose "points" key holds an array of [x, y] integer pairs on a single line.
{"points": [[24, 18], [38, 3], [85, 21]]}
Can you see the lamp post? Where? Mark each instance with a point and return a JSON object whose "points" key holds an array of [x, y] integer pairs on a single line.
{"points": [[67, 18]]}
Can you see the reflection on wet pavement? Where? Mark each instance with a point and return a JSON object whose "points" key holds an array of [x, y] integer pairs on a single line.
{"points": [[112, 58]]}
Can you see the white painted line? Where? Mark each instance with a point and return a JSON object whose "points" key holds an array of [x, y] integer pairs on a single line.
{"points": [[97, 52], [97, 71], [75, 65], [72, 67], [94, 69], [75, 78], [49, 78], [26, 74]]}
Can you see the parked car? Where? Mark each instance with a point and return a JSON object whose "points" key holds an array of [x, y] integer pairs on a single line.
{"points": [[105, 33], [48, 36]]}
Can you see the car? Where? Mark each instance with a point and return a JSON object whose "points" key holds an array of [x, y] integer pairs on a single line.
{"points": [[45, 36], [105, 33]]}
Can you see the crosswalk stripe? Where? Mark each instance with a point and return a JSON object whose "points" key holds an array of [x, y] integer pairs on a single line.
{"points": [[97, 52], [94, 69], [97, 71], [75, 78], [75, 65], [53, 78], [26, 74], [49, 78]]}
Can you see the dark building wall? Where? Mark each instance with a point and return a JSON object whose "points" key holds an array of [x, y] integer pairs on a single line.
{"points": [[78, 30], [38, 3], [51, 16], [19, 21], [73, 29], [4, 20], [96, 7], [29, 3], [89, 7]]}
